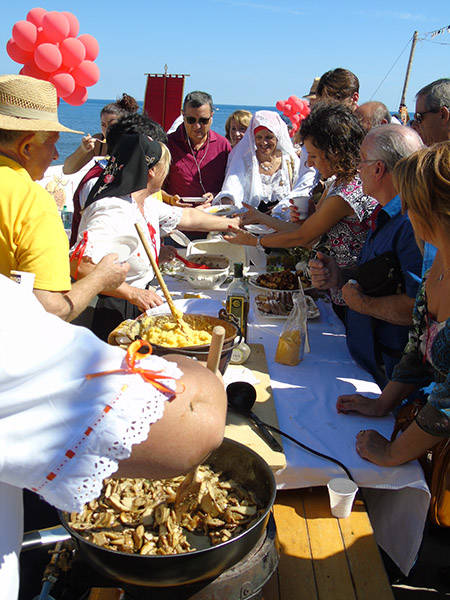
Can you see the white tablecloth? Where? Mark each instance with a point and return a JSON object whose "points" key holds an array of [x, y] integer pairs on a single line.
{"points": [[305, 399]]}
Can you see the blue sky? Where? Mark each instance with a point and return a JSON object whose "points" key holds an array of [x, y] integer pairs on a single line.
{"points": [[254, 52]]}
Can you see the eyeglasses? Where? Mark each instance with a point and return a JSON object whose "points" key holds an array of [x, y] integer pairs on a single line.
{"points": [[201, 120], [418, 116]]}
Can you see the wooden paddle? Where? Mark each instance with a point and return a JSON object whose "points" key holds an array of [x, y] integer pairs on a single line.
{"points": [[159, 277], [215, 350]]}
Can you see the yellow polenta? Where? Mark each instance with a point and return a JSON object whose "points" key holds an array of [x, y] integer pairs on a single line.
{"points": [[165, 331]]}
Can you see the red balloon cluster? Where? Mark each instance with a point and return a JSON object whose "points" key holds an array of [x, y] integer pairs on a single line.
{"points": [[47, 45], [295, 109]]}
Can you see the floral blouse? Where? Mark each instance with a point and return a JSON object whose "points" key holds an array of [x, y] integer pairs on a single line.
{"points": [[426, 359], [346, 238]]}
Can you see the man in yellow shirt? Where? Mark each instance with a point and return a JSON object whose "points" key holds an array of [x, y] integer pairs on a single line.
{"points": [[32, 237]]}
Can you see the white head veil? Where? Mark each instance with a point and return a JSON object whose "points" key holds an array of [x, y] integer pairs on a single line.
{"points": [[242, 178]]}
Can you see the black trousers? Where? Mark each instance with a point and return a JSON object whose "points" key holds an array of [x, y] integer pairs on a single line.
{"points": [[110, 312]]}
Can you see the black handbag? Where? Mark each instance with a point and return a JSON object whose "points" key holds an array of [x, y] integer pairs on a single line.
{"points": [[381, 276]]}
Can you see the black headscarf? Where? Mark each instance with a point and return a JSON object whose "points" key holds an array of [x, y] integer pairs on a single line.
{"points": [[127, 169]]}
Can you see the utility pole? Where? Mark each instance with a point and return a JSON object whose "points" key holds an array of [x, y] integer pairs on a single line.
{"points": [[408, 69]]}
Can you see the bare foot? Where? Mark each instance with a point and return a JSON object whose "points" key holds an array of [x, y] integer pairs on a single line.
{"points": [[360, 404], [373, 447]]}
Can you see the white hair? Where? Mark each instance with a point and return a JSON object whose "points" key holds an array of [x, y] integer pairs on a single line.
{"points": [[390, 143]]}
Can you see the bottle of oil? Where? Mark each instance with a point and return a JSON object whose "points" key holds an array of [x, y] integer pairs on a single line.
{"points": [[238, 298]]}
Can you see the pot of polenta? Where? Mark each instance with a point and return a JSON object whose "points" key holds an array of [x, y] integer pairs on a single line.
{"points": [[166, 337]]}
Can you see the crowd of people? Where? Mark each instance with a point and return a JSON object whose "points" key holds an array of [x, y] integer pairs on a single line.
{"points": [[378, 206]]}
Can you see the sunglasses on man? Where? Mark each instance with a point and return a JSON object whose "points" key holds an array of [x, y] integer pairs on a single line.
{"points": [[418, 116], [201, 120]]}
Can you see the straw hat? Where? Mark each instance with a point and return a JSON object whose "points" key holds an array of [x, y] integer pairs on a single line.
{"points": [[29, 104], [313, 91]]}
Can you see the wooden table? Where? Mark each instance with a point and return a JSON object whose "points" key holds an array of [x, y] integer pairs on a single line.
{"points": [[322, 557]]}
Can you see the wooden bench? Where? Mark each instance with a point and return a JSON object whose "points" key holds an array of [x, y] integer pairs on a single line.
{"points": [[322, 557]]}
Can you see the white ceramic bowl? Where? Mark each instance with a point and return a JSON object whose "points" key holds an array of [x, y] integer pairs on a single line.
{"points": [[207, 279], [122, 245]]}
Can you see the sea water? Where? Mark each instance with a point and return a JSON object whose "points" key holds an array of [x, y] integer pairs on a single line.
{"points": [[86, 118]]}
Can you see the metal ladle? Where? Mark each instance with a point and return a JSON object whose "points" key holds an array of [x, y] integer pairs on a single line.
{"points": [[241, 398]]}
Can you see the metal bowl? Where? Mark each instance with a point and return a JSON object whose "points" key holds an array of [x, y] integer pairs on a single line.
{"points": [[241, 464]]}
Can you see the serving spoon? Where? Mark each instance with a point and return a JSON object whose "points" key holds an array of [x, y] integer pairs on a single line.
{"points": [[241, 398], [188, 263]]}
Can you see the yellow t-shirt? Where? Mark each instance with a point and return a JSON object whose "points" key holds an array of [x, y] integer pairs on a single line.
{"points": [[32, 236]]}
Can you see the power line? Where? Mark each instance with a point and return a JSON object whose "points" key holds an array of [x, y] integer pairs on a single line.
{"points": [[433, 42], [395, 62]]}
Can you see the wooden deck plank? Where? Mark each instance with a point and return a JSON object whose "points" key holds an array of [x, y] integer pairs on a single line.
{"points": [[369, 576], [331, 566], [295, 569]]}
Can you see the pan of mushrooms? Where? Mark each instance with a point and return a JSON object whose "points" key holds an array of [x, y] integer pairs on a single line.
{"points": [[161, 533]]}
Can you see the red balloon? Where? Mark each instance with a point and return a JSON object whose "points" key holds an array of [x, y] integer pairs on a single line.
{"points": [[16, 53], [78, 97], [91, 45], [72, 52], [74, 25], [48, 57], [295, 102], [30, 69], [280, 105], [287, 109], [41, 38], [24, 34], [64, 84], [305, 110], [56, 26], [36, 15], [86, 74]]}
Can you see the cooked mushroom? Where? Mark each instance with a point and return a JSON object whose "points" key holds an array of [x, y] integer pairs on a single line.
{"points": [[150, 517]]}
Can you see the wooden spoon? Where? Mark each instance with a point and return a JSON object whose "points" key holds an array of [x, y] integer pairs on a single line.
{"points": [[176, 314], [215, 350]]}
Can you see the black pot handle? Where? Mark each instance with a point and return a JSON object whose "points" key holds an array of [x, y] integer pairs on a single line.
{"points": [[229, 318]]}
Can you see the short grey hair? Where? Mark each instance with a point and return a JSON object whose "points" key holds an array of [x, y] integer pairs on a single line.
{"points": [[390, 143], [197, 99], [436, 94], [380, 114]]}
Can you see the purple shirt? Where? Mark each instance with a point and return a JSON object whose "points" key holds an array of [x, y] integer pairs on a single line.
{"points": [[184, 177]]}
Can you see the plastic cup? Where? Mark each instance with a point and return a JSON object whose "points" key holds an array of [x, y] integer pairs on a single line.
{"points": [[301, 203], [24, 279], [342, 492]]}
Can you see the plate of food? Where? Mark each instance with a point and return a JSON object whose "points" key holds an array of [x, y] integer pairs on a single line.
{"points": [[222, 210], [259, 229], [281, 281], [278, 305]]}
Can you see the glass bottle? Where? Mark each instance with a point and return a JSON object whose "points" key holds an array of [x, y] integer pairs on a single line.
{"points": [[238, 298]]}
